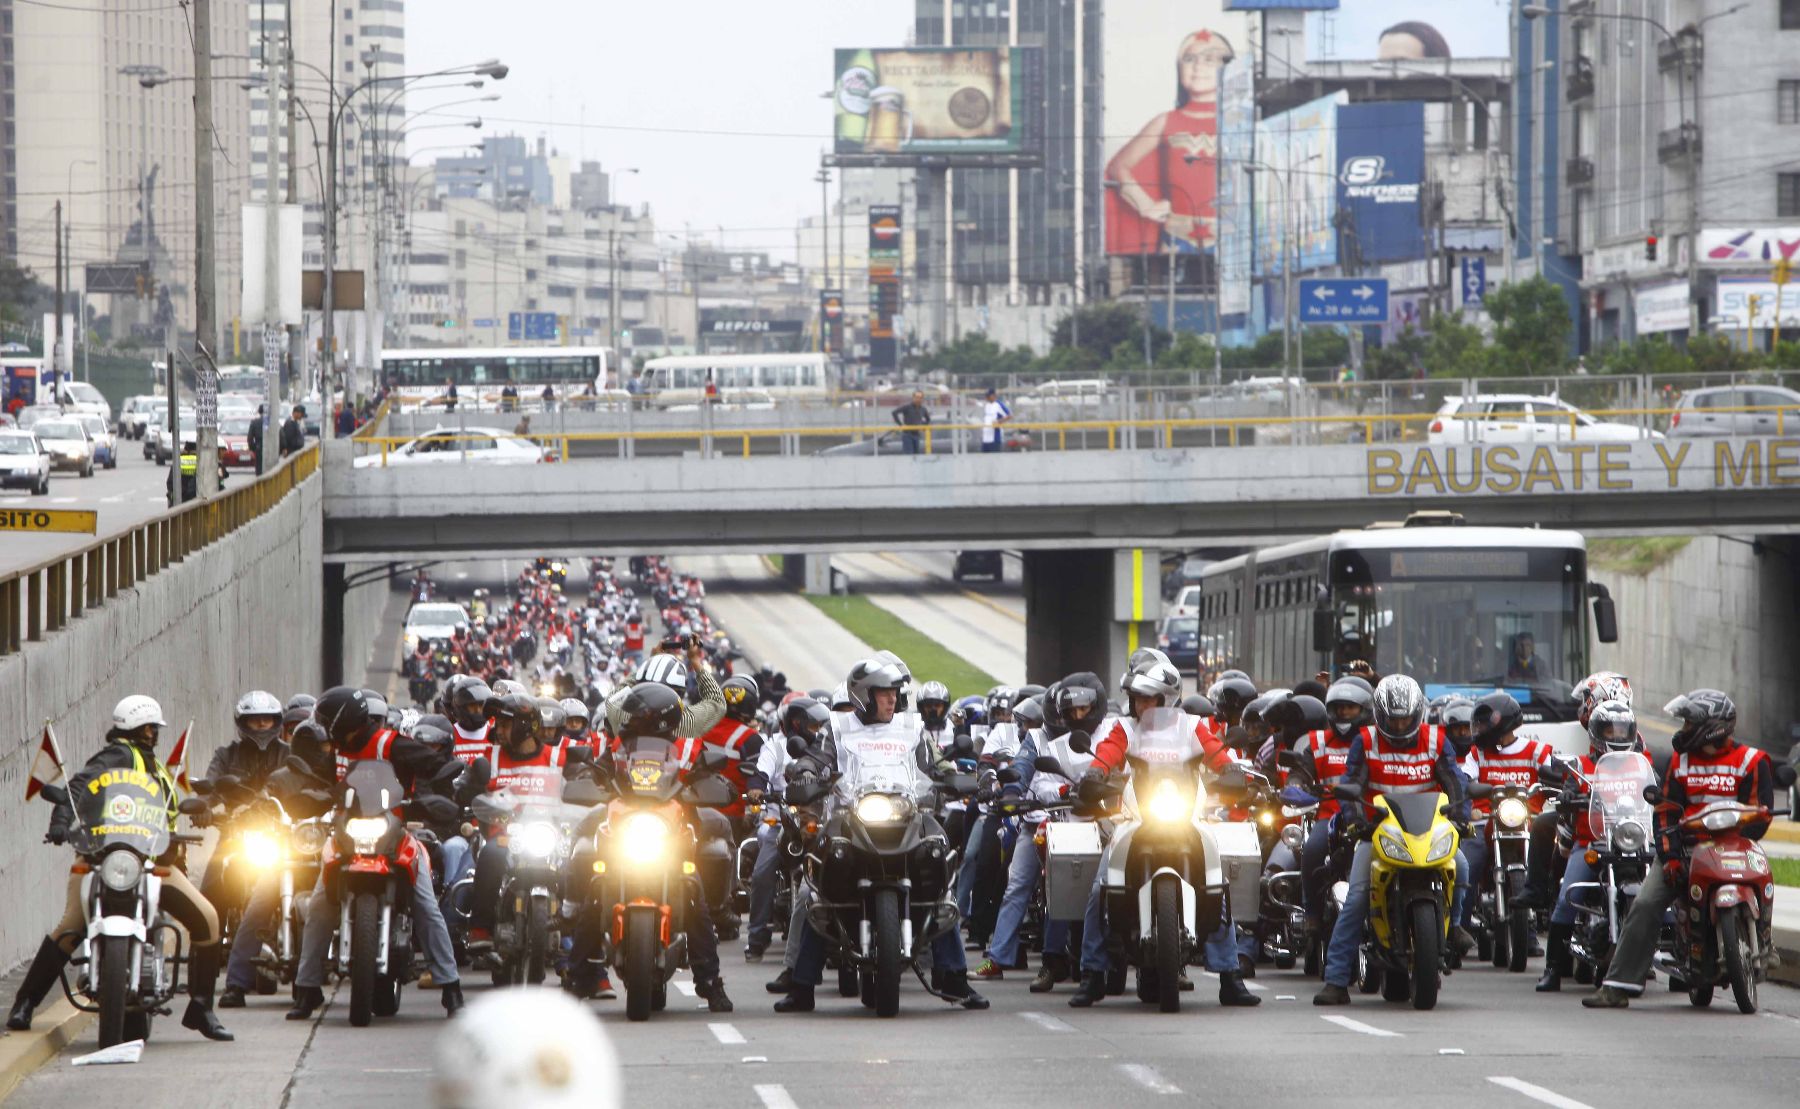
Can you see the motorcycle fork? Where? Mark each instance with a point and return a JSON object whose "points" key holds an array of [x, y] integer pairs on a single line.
{"points": [[284, 936]]}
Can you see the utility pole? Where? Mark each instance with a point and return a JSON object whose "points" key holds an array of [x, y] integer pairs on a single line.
{"points": [[328, 326], [206, 375], [612, 284], [824, 180], [56, 349], [294, 385], [271, 330]]}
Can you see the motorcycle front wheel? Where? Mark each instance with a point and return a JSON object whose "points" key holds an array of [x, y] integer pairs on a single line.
{"points": [[640, 964], [886, 936], [537, 941], [1740, 966], [365, 941], [1427, 934], [1518, 928], [116, 966], [1168, 945]]}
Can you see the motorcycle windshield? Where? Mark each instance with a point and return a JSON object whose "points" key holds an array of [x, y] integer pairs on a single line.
{"points": [[1164, 754], [880, 758], [371, 788], [1002, 741], [122, 808], [650, 767], [1616, 799]]}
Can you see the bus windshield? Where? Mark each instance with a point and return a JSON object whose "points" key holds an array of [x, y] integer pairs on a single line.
{"points": [[1467, 620]]}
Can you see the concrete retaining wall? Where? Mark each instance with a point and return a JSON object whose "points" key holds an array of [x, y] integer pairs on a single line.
{"points": [[1720, 613], [243, 613]]}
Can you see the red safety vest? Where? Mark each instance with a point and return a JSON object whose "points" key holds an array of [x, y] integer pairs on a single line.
{"points": [[466, 747], [378, 746], [1403, 770], [634, 636], [1330, 757], [1517, 769], [1718, 778], [539, 776], [729, 736]]}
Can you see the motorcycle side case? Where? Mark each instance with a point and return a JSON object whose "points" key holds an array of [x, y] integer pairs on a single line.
{"points": [[1072, 860], [1238, 852]]}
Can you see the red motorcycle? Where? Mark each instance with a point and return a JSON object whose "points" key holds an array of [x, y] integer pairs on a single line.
{"points": [[368, 863], [1722, 918]]}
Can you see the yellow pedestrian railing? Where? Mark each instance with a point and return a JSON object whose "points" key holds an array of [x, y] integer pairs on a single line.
{"points": [[45, 597]]}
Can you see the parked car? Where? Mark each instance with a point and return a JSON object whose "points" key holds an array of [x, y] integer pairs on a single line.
{"points": [[106, 444], [1705, 412], [81, 396], [138, 412], [1179, 638], [1077, 391], [450, 445], [891, 442], [68, 444], [1518, 418], [432, 620], [978, 564], [23, 462]]}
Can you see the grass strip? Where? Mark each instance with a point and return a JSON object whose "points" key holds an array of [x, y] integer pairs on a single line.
{"points": [[1786, 871], [927, 658], [1635, 554]]}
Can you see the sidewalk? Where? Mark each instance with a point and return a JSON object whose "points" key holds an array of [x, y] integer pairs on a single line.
{"points": [[56, 1025]]}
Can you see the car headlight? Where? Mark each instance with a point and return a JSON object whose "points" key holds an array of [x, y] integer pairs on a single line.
{"points": [[1393, 845], [365, 831], [259, 849], [1167, 805], [1720, 820], [1512, 812], [644, 838], [537, 839], [879, 808], [1441, 845], [121, 870], [1630, 838]]}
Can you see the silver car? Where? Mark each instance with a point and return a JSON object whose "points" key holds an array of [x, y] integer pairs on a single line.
{"points": [[68, 444], [1721, 410]]}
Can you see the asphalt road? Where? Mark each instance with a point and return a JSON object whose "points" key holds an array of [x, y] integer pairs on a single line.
{"points": [[987, 628], [771, 623], [130, 494], [1490, 1042]]}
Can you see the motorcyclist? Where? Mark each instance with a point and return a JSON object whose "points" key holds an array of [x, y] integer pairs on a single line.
{"points": [[1230, 696], [805, 720], [469, 697], [1349, 708], [297, 711], [873, 689], [355, 732], [137, 723], [1497, 756], [737, 737], [1709, 765], [665, 667], [1152, 685], [577, 727], [1398, 753], [245, 765], [1540, 881], [934, 712]]}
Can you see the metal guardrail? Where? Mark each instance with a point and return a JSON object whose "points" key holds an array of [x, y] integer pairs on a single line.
{"points": [[46, 597], [1159, 434]]}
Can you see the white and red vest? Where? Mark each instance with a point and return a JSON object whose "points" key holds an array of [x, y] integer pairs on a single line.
{"points": [[1709, 780], [378, 746], [1403, 769], [469, 746], [538, 777]]}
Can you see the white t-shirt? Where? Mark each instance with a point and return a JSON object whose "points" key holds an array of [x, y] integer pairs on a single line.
{"points": [[991, 416]]}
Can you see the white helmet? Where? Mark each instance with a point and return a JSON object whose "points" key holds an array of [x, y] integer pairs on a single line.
{"points": [[257, 702], [137, 710], [667, 669], [531, 1048], [1153, 679]]}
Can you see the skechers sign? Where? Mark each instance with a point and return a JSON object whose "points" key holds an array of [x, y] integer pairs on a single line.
{"points": [[1381, 170]]}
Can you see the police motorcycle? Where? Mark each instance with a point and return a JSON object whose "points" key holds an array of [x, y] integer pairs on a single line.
{"points": [[1165, 883], [126, 965], [1623, 827], [1412, 877], [882, 869]]}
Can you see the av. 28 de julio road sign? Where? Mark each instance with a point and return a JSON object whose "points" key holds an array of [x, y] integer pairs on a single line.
{"points": [[1343, 300]]}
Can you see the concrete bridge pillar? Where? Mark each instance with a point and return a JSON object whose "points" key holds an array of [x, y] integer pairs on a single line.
{"points": [[809, 573], [1088, 610]]}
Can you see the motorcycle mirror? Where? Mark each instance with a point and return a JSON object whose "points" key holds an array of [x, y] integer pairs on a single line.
{"points": [[1653, 795], [1347, 791], [797, 747], [584, 792], [1080, 742], [481, 771], [1480, 791], [1785, 774], [962, 747], [193, 806], [1011, 775], [1046, 765]]}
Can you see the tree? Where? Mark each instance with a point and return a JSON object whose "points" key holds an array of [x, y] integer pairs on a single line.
{"points": [[1401, 359], [1456, 349], [1531, 328], [1104, 325], [1650, 355]]}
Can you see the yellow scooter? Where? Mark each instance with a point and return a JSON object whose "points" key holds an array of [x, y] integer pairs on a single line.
{"points": [[1412, 876]]}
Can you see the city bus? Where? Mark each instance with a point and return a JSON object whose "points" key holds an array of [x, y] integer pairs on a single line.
{"points": [[784, 377], [246, 380], [1463, 610], [417, 376]]}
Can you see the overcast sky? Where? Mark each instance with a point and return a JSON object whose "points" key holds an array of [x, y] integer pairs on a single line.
{"points": [[747, 77]]}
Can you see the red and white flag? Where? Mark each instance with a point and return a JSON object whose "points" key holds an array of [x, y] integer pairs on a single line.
{"points": [[178, 758], [47, 766]]}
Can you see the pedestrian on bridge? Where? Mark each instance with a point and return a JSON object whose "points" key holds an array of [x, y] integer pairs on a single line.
{"points": [[993, 415], [293, 432], [911, 416]]}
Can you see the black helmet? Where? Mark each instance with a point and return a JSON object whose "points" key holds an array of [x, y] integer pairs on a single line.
{"points": [[1295, 716], [1457, 718], [515, 717], [1255, 717], [1349, 705], [1196, 704], [1028, 714], [742, 698], [1399, 709], [1494, 717], [468, 703], [298, 710], [344, 714], [804, 719], [1707, 717], [431, 735], [649, 709], [1025, 691], [378, 704], [1232, 696], [1611, 727], [1081, 701]]}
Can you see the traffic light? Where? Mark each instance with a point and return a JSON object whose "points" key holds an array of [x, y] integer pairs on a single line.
{"points": [[1650, 248]]}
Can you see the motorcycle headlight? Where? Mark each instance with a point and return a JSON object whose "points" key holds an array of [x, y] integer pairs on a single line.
{"points": [[1393, 845], [1720, 821], [259, 849], [1512, 812], [309, 838], [535, 840], [1293, 837], [1441, 846], [880, 808], [121, 870], [643, 838], [1167, 805], [1266, 818], [1630, 838], [365, 831]]}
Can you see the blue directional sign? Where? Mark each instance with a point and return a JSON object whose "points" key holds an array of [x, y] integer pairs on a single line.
{"points": [[1474, 279], [1343, 300], [531, 325], [485, 322]]}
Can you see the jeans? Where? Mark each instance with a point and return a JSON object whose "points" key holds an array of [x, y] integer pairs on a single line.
{"points": [[428, 927], [1347, 934], [459, 861], [1471, 872], [1220, 949], [1578, 871], [986, 827], [1021, 883], [1637, 939], [809, 961], [253, 924], [803, 895], [990, 447], [912, 442], [763, 877]]}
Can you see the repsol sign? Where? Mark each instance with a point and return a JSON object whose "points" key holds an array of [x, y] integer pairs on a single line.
{"points": [[1655, 466]]}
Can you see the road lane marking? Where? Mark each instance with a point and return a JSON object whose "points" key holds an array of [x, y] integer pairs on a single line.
{"points": [[1538, 1093], [64, 500], [726, 1034], [1359, 1026], [1148, 1078], [958, 586], [1047, 1022], [775, 1097]]}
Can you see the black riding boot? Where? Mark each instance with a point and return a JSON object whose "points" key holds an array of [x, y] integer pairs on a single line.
{"points": [[204, 970], [1093, 988], [1556, 958], [957, 988], [46, 968]]}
